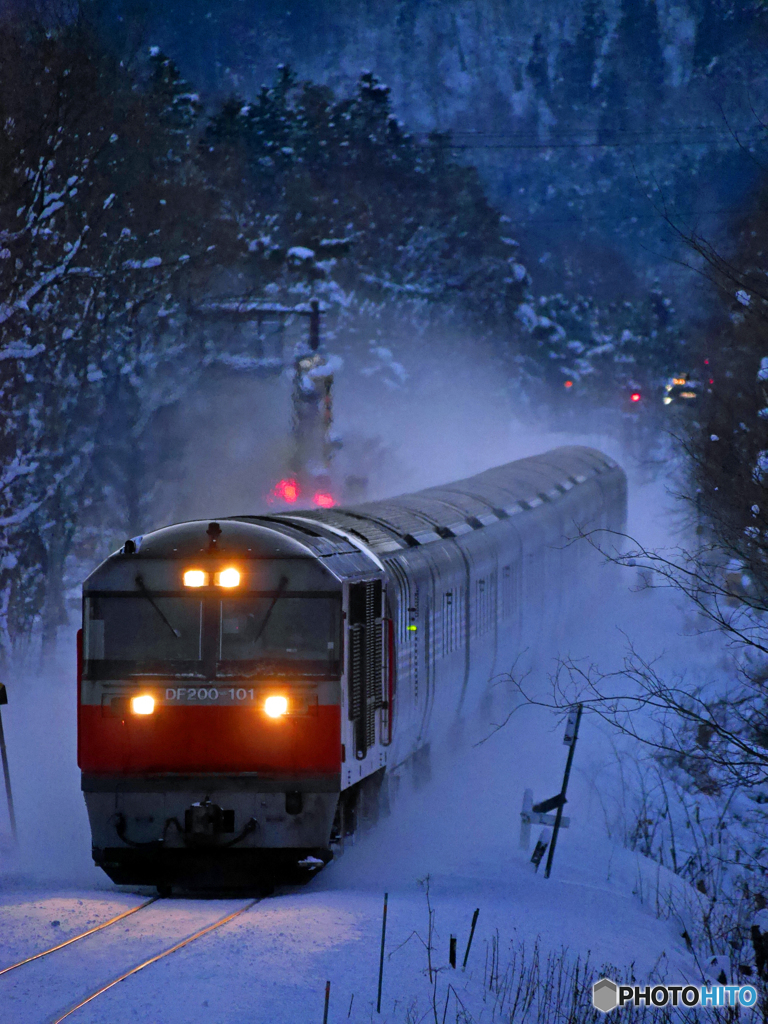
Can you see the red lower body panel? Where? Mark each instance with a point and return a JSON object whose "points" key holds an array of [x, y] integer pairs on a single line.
{"points": [[210, 739]]}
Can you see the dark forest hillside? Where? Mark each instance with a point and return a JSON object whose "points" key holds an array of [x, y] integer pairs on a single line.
{"points": [[574, 113]]}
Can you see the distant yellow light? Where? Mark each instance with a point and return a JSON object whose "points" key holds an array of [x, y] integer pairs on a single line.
{"points": [[227, 578], [276, 706], [143, 705], [679, 380], [195, 578]]}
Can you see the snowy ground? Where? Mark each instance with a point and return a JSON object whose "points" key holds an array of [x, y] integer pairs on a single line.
{"points": [[271, 964]]}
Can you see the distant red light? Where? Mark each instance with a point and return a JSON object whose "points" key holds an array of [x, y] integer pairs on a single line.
{"points": [[568, 384], [711, 381], [287, 490], [635, 396], [323, 500], [706, 362]]}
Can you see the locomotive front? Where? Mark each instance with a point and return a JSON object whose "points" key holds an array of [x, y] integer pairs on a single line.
{"points": [[209, 732]]}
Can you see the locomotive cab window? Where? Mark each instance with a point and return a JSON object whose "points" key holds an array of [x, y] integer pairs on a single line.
{"points": [[251, 635]]}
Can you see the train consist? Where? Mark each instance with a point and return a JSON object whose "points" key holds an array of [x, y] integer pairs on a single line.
{"points": [[246, 684]]}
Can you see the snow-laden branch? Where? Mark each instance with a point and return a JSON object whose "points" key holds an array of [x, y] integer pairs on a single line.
{"points": [[20, 350], [21, 516], [7, 310]]}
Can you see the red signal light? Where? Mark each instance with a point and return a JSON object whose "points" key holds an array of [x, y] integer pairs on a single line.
{"points": [[635, 396], [323, 500], [568, 384], [286, 490]]}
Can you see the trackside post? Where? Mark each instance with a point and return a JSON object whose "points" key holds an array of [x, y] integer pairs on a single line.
{"points": [[471, 936], [571, 735], [327, 1001], [6, 771], [381, 956]]}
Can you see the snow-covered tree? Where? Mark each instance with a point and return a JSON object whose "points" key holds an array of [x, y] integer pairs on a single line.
{"points": [[335, 199], [96, 198], [728, 442]]}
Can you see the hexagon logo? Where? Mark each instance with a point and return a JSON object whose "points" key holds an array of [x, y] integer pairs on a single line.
{"points": [[605, 995]]}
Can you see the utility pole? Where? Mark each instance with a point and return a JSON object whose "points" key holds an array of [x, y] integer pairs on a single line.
{"points": [[314, 325], [313, 413], [312, 393], [6, 772]]}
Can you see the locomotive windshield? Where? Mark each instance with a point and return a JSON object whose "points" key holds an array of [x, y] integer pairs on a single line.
{"points": [[129, 629], [288, 629], [251, 635]]}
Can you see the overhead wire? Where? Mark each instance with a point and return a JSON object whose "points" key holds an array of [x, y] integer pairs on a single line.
{"points": [[621, 222], [524, 141]]}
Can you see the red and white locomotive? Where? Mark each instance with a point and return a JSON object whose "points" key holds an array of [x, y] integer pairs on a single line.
{"points": [[245, 684]]}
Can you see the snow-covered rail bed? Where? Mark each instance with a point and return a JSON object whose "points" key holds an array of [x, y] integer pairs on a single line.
{"points": [[78, 936], [270, 965], [59, 981]]}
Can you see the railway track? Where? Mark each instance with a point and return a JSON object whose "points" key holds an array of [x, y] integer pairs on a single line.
{"points": [[29, 1012], [82, 935]]}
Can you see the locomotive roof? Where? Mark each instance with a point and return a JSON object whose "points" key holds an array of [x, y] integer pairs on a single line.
{"points": [[241, 538], [308, 557]]}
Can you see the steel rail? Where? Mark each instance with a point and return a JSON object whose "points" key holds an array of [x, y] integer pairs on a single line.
{"points": [[158, 956], [82, 935]]}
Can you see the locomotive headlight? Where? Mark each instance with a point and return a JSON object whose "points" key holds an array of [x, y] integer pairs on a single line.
{"points": [[195, 578], [276, 706], [227, 578], [143, 705]]}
